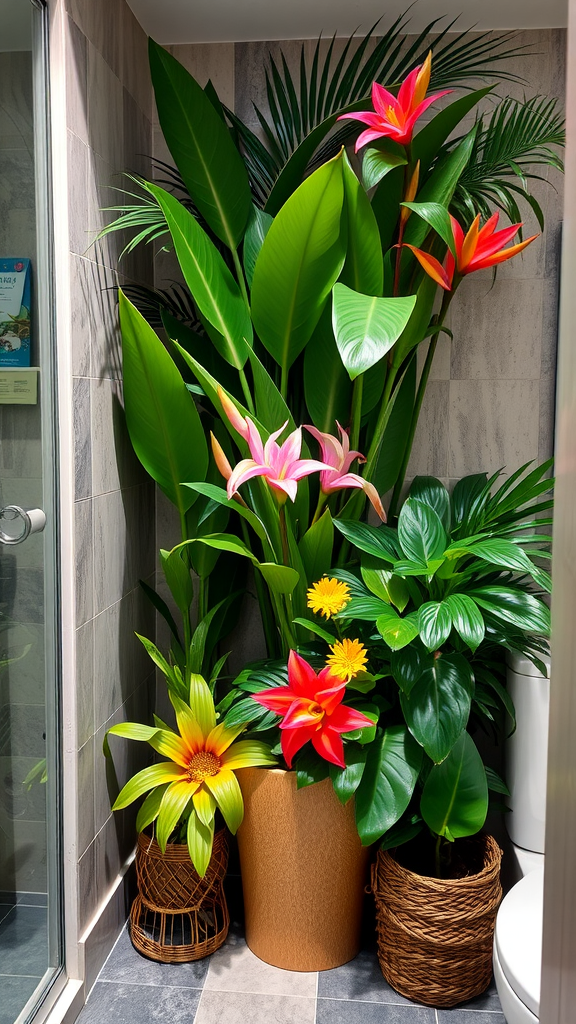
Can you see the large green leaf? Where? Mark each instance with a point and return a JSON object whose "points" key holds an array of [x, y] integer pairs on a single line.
{"points": [[256, 232], [316, 548], [440, 186], [162, 420], [366, 327], [396, 631], [438, 218], [363, 268], [385, 584], [418, 325], [300, 259], [178, 578], [282, 579], [407, 666], [202, 147], [329, 400], [213, 288], [379, 541], [523, 611], [379, 159], [427, 142], [392, 767], [466, 619], [346, 780], [433, 493], [420, 532], [454, 800], [438, 706], [434, 623]]}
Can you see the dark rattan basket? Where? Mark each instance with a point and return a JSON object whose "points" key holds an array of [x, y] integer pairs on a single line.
{"points": [[178, 916], [435, 936]]}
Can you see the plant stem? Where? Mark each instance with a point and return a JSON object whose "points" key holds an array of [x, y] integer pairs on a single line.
{"points": [[284, 382], [246, 391], [202, 597], [240, 276], [381, 423], [266, 613], [356, 411], [284, 536], [186, 616], [322, 499]]}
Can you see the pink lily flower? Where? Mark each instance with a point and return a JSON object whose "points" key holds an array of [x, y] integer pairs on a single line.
{"points": [[339, 458], [396, 117]]}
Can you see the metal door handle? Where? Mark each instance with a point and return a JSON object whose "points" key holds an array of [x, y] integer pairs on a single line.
{"points": [[16, 523]]}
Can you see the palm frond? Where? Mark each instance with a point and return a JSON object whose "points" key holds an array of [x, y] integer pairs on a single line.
{"points": [[518, 137], [142, 219], [152, 302], [299, 103]]}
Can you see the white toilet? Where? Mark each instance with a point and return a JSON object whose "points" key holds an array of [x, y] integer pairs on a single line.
{"points": [[518, 935]]}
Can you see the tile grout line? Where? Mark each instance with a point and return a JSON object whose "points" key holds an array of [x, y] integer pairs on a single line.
{"points": [[316, 997]]}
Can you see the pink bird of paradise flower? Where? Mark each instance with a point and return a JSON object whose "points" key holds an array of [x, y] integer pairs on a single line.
{"points": [[280, 465], [311, 709], [395, 117], [478, 249], [336, 453]]}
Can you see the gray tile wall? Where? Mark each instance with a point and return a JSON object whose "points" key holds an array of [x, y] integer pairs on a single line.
{"points": [[490, 401], [109, 130]]}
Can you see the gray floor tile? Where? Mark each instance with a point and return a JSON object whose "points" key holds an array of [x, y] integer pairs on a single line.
{"points": [[139, 1004], [24, 941], [353, 1011], [460, 1015], [235, 968], [250, 1008], [126, 965], [360, 979], [5, 909], [14, 994]]}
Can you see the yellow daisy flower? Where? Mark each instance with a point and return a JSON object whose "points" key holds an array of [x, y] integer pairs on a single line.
{"points": [[348, 658], [328, 596]]}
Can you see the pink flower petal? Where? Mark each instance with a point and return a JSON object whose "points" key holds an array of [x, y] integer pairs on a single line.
{"points": [[232, 413], [289, 487], [255, 442], [382, 100], [407, 89], [245, 470], [389, 131], [304, 467]]}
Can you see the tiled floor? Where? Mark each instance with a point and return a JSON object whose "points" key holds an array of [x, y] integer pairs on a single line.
{"points": [[23, 951], [235, 987]]}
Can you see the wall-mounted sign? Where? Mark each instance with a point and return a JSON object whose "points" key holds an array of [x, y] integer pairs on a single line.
{"points": [[15, 299], [18, 386]]}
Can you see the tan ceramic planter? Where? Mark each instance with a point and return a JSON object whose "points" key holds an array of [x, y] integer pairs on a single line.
{"points": [[303, 872]]}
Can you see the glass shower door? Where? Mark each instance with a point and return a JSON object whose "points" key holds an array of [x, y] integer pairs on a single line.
{"points": [[30, 930]]}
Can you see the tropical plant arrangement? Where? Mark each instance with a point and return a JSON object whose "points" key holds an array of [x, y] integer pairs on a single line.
{"points": [[312, 275]]}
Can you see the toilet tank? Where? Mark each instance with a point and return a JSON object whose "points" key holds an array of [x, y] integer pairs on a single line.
{"points": [[527, 752]]}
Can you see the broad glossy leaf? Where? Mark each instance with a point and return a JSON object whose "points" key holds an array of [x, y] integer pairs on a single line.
{"points": [[418, 325], [407, 666], [440, 185], [225, 542], [466, 492], [331, 401], [363, 269], [310, 768], [427, 142], [258, 227], [386, 205], [162, 420], [365, 607], [466, 619], [432, 492], [271, 409], [392, 767], [366, 327], [504, 553], [280, 578], [346, 780], [396, 631], [385, 584], [515, 607], [438, 218], [402, 832], [438, 706], [202, 147], [420, 532], [218, 494], [316, 548], [317, 629], [299, 262], [454, 800], [379, 160], [379, 541], [213, 288], [434, 623], [495, 783]]}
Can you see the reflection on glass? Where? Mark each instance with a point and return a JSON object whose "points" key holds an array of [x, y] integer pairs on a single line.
{"points": [[27, 957]]}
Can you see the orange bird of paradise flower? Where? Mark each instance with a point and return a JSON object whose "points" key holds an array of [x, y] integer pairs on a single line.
{"points": [[395, 117], [478, 249], [311, 709]]}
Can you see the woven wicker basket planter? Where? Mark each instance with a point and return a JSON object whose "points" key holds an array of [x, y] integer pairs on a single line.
{"points": [[178, 916], [435, 936]]}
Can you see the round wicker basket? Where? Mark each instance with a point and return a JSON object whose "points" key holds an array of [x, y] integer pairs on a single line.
{"points": [[434, 935], [178, 916]]}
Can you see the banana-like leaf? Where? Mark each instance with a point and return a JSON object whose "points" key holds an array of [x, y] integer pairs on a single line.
{"points": [[202, 147], [379, 159], [363, 268], [392, 767], [441, 185], [178, 578], [258, 227], [316, 548], [299, 262], [437, 217], [162, 420], [454, 800], [213, 288], [395, 437], [366, 327], [427, 142]]}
